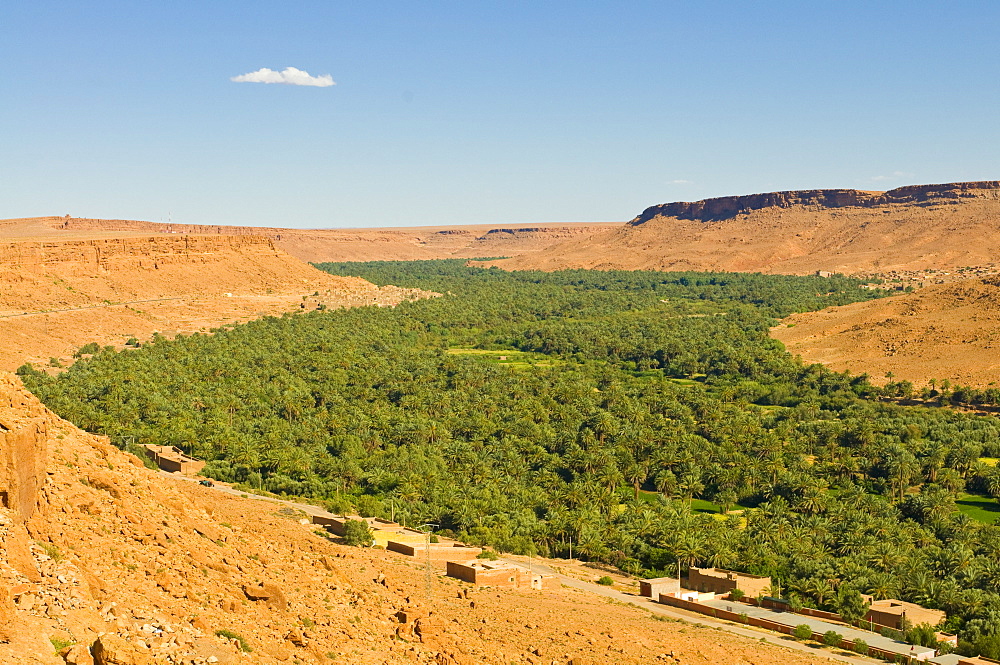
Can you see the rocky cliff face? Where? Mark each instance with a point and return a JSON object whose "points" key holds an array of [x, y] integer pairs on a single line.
{"points": [[24, 433], [730, 206], [130, 253]]}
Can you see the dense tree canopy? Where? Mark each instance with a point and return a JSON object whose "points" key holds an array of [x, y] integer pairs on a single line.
{"points": [[528, 411]]}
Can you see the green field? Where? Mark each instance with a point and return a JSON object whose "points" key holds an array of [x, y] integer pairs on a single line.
{"points": [[981, 508], [509, 357]]}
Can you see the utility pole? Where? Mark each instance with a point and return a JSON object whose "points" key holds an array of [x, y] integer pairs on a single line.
{"points": [[427, 551]]}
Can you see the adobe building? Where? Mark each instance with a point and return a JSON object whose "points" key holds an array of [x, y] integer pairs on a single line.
{"points": [[173, 460], [438, 553], [891, 613], [720, 581], [499, 574], [336, 524], [978, 660], [654, 586]]}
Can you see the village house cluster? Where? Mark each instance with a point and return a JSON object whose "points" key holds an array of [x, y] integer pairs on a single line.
{"points": [[705, 586], [454, 558]]}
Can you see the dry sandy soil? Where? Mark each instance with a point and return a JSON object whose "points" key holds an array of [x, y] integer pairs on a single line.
{"points": [[316, 245], [946, 331], [56, 295], [103, 556], [798, 232]]}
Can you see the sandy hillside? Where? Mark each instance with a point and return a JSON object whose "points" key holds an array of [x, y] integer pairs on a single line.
{"points": [[105, 558], [946, 331], [56, 294], [316, 245], [798, 232]]}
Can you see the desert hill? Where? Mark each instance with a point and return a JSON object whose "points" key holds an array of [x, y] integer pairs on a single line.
{"points": [[57, 294], [115, 564], [369, 244], [798, 232], [945, 331]]}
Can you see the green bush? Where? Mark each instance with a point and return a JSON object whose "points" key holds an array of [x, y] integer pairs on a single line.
{"points": [[60, 644], [605, 581], [736, 594], [860, 646], [832, 638], [230, 635], [91, 348], [803, 631], [488, 554], [357, 533]]}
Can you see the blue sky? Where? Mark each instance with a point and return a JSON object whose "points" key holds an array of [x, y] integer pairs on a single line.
{"points": [[483, 112]]}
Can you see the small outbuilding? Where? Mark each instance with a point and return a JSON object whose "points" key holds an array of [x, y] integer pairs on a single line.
{"points": [[654, 586]]}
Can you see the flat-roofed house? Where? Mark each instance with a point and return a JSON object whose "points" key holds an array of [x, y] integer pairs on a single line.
{"points": [[891, 613], [720, 581], [654, 586], [173, 460], [499, 574]]}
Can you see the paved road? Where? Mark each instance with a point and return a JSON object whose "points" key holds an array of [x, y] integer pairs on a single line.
{"points": [[818, 626]]}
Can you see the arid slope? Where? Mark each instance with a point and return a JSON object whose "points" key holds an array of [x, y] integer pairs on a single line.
{"points": [[946, 331], [56, 295], [798, 232], [105, 558], [316, 245]]}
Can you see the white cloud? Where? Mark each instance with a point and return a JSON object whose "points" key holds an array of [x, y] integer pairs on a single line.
{"points": [[288, 76], [679, 182]]}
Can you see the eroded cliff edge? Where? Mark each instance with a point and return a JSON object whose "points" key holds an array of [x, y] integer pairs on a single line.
{"points": [[729, 206]]}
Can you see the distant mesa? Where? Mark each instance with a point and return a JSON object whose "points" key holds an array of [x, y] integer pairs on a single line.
{"points": [[729, 206], [849, 231]]}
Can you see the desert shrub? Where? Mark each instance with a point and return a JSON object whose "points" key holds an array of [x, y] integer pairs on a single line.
{"points": [[860, 646], [605, 581], [488, 554], [736, 594], [54, 362], [230, 635], [832, 638], [803, 631], [357, 533], [60, 644], [892, 634]]}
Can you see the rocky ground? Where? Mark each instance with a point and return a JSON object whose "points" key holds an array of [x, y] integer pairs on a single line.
{"points": [[945, 331], [57, 295], [107, 562]]}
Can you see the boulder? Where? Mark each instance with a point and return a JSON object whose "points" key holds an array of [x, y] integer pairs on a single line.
{"points": [[111, 649], [77, 654], [270, 594]]}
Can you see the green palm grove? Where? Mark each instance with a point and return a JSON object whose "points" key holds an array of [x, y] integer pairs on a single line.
{"points": [[626, 400]]}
